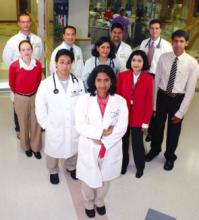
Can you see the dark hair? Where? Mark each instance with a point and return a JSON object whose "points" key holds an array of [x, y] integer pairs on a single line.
{"points": [[23, 14], [117, 25], [24, 41], [69, 26], [155, 21], [180, 33], [144, 57], [64, 52], [99, 42], [101, 69]]}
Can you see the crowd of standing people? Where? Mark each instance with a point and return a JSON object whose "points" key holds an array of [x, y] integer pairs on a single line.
{"points": [[89, 111]]}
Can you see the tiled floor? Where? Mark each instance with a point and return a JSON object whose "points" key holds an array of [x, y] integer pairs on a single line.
{"points": [[27, 194]]}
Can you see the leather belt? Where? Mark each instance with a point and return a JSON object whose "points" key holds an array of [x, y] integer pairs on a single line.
{"points": [[28, 95], [171, 94]]}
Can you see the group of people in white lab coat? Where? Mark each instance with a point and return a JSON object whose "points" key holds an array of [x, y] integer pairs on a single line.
{"points": [[77, 105]]}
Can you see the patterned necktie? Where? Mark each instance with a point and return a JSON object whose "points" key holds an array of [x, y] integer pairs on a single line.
{"points": [[172, 76], [28, 38], [151, 52]]}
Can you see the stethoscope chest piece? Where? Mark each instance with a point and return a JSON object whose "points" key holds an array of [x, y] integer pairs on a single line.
{"points": [[56, 91]]}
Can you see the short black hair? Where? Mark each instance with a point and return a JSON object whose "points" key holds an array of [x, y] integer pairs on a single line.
{"points": [[155, 21], [69, 26], [144, 57], [117, 25], [99, 42], [101, 69], [24, 41], [65, 52], [180, 33]]}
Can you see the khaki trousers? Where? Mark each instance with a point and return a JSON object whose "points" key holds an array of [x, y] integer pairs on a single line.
{"points": [[53, 164], [94, 197], [30, 131]]}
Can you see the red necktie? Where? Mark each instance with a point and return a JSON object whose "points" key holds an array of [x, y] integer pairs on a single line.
{"points": [[102, 151]]}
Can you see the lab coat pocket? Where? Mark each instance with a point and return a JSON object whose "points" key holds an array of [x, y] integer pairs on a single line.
{"points": [[55, 138]]}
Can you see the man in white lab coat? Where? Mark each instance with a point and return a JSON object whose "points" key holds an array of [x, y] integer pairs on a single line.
{"points": [[69, 37], [11, 50], [55, 102], [154, 47], [122, 49]]}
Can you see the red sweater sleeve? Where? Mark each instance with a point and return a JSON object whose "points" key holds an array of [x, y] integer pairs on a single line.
{"points": [[12, 77], [39, 72]]}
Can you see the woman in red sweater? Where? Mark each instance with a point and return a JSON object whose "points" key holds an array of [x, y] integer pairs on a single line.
{"points": [[136, 86], [24, 78]]}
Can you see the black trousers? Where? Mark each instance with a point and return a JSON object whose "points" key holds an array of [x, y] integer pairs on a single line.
{"points": [[17, 129], [137, 147], [166, 107]]}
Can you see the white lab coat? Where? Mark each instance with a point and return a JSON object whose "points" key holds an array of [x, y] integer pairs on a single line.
{"points": [[92, 62], [123, 54], [11, 50], [55, 114], [165, 47], [78, 64], [90, 125]]}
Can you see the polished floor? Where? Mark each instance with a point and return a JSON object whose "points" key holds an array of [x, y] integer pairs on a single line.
{"points": [[26, 192]]}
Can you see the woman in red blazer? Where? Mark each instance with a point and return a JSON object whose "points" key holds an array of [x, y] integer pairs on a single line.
{"points": [[136, 86]]}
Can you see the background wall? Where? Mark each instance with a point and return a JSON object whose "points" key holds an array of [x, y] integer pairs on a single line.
{"points": [[8, 10], [78, 16]]}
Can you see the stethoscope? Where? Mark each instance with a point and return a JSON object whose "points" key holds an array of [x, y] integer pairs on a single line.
{"points": [[74, 78], [157, 46], [111, 64]]}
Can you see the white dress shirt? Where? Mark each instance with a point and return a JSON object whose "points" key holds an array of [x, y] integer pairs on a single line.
{"points": [[185, 80], [11, 50], [78, 64], [161, 46]]}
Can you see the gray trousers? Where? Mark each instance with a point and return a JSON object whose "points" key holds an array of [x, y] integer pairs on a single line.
{"points": [[53, 163]]}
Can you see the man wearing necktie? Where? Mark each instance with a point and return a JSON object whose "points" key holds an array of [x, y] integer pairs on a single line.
{"points": [[175, 83], [154, 47], [69, 38], [11, 50]]}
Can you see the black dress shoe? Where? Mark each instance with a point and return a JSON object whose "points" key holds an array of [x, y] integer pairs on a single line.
{"points": [[123, 170], [28, 153], [90, 213], [148, 138], [54, 178], [150, 156], [101, 210], [37, 155], [72, 174], [125, 164], [168, 165], [139, 173]]}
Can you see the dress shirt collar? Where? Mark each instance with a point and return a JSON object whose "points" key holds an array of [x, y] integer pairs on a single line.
{"points": [[23, 65], [23, 35], [181, 57], [156, 42], [68, 46]]}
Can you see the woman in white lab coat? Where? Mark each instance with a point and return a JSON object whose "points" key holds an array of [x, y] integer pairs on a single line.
{"points": [[55, 103], [101, 119], [102, 53]]}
